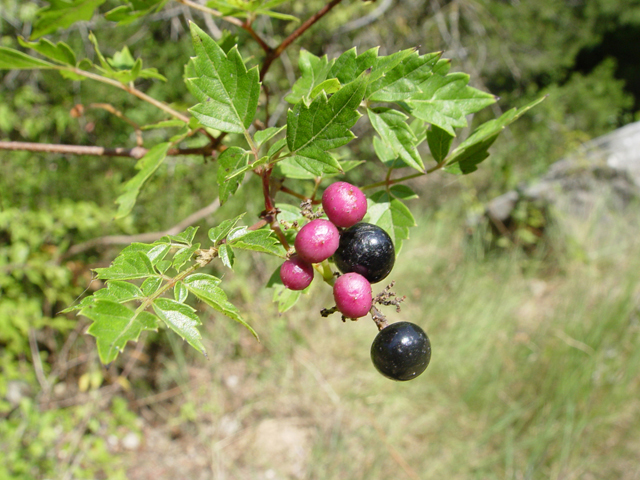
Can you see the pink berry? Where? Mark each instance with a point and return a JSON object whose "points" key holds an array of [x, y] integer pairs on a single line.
{"points": [[352, 293], [317, 241], [344, 204], [296, 274]]}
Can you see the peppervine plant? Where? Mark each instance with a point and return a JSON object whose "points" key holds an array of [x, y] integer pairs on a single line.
{"points": [[409, 99]]}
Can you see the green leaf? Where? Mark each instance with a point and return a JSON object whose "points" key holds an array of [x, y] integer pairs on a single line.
{"points": [[59, 52], [328, 86], [114, 325], [445, 101], [402, 192], [181, 319], [225, 252], [183, 255], [313, 71], [227, 91], [386, 154], [13, 59], [392, 127], [180, 292], [219, 233], [63, 14], [151, 285], [147, 165], [122, 60], [261, 240], [262, 136], [404, 80], [205, 287], [465, 158], [158, 252], [391, 215], [185, 237], [229, 161], [324, 125], [127, 267], [119, 291], [164, 124], [349, 66], [439, 142], [285, 298]]}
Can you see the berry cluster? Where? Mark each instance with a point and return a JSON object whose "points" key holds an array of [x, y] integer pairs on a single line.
{"points": [[365, 254]]}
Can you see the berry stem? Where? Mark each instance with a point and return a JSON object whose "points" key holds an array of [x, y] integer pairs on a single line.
{"points": [[379, 319]]}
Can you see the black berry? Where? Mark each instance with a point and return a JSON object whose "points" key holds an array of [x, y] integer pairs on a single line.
{"points": [[401, 351], [365, 249]]}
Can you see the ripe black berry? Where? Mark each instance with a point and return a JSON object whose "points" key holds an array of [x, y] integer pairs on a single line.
{"points": [[365, 249], [401, 351]]}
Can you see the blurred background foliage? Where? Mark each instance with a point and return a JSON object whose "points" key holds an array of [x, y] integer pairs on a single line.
{"points": [[539, 390]]}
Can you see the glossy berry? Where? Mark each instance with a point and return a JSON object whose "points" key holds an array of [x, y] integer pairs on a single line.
{"points": [[296, 274], [365, 249], [401, 351], [352, 293], [317, 241], [344, 204]]}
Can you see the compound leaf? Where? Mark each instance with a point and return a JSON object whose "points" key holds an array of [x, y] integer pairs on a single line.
{"points": [[219, 233], [313, 71], [439, 142], [127, 266], [14, 59], [59, 52], [261, 240]]}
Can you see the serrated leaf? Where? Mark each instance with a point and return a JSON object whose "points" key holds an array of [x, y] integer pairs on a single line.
{"points": [[59, 52], [225, 252], [349, 66], [13, 59], [262, 136], [324, 125], [114, 325], [151, 285], [158, 252], [205, 287], [127, 267], [261, 240], [181, 319], [185, 237], [183, 255], [313, 71], [147, 166], [119, 291], [63, 14], [232, 159], [445, 101], [392, 127], [227, 91], [465, 158], [404, 79], [439, 142], [180, 292], [217, 234]]}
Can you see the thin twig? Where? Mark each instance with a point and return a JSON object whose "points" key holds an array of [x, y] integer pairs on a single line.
{"points": [[37, 361], [275, 53], [114, 111], [211, 11], [143, 237]]}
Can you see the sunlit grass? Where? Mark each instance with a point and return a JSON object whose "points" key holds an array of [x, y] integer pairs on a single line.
{"points": [[534, 373]]}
